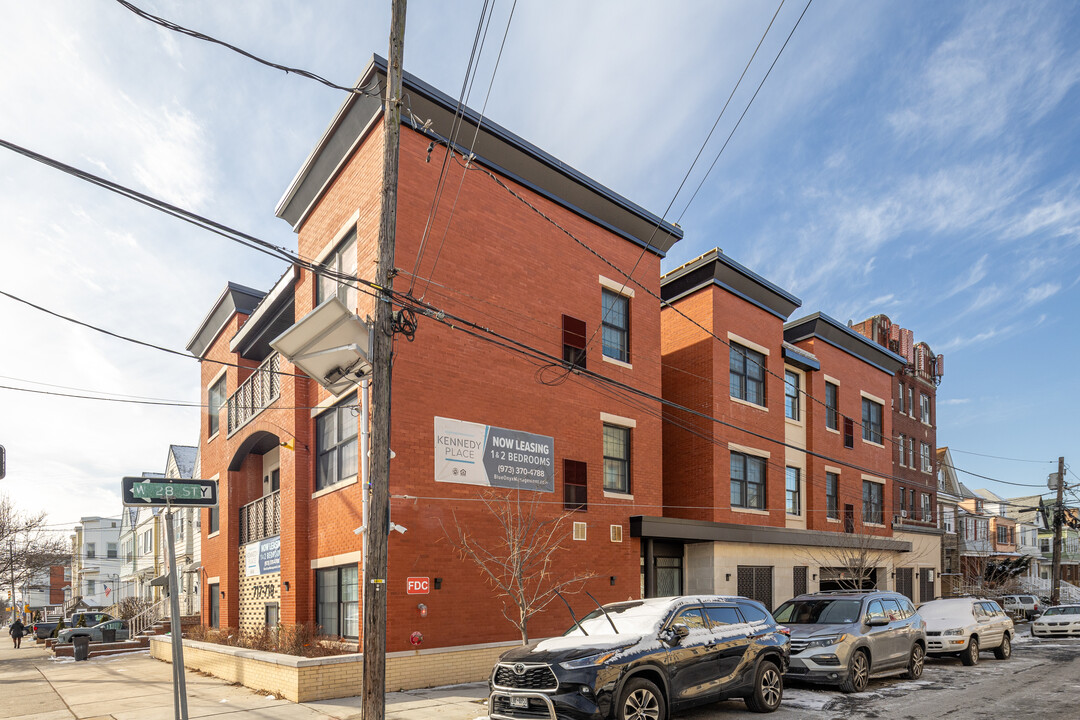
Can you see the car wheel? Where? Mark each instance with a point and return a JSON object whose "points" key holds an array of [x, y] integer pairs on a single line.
{"points": [[641, 700], [768, 688], [858, 673], [971, 655], [916, 662], [1004, 650]]}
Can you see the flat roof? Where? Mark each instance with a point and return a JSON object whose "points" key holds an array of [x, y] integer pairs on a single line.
{"points": [[821, 326], [716, 268]]}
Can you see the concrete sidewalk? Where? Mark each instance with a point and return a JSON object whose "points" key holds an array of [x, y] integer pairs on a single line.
{"points": [[36, 686]]}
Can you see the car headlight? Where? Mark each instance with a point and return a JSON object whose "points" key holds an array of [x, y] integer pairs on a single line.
{"points": [[826, 641], [588, 660], [953, 631]]}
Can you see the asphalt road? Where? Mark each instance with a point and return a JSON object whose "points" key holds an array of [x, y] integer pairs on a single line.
{"points": [[1040, 680]]}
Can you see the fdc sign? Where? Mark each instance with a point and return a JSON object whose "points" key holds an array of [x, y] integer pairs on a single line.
{"points": [[418, 585]]}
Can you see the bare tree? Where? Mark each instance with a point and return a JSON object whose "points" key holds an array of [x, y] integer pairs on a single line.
{"points": [[857, 556], [27, 548], [521, 561]]}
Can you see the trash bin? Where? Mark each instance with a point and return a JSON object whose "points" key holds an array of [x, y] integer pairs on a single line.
{"points": [[108, 635], [82, 647]]}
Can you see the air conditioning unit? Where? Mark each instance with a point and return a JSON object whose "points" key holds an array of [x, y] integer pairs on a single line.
{"points": [[903, 513], [579, 530], [616, 533], [895, 519]]}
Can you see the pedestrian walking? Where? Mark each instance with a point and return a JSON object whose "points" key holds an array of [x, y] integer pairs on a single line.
{"points": [[16, 632]]}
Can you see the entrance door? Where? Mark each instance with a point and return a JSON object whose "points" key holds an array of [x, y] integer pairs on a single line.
{"points": [[904, 583]]}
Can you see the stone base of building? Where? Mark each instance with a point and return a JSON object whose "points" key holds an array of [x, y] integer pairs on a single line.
{"points": [[307, 679]]}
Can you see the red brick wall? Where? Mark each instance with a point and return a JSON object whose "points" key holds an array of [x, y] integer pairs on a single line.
{"points": [[56, 584]]}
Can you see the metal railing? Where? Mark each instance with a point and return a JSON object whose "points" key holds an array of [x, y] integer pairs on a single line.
{"points": [[139, 624], [255, 394], [260, 519]]}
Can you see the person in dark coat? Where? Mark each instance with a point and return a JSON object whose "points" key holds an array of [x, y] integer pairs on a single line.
{"points": [[16, 632]]}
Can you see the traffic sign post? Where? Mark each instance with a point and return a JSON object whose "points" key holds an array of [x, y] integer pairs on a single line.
{"points": [[159, 492]]}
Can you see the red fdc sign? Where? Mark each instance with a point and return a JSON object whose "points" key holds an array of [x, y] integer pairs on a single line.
{"points": [[418, 586]]}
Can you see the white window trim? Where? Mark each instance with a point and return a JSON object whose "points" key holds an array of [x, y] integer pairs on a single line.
{"points": [[748, 343], [749, 404], [873, 479], [618, 495], [337, 560], [344, 230], [216, 580], [351, 480], [617, 287], [750, 511], [615, 362], [609, 419], [876, 399], [746, 450]]}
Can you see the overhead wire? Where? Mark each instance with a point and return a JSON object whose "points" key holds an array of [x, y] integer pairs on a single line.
{"points": [[998, 457]]}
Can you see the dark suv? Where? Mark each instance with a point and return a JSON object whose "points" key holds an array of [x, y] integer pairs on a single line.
{"points": [[843, 638], [646, 659]]}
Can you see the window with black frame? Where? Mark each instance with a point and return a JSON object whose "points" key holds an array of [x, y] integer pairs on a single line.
{"points": [[747, 481], [791, 395], [337, 601], [832, 495], [747, 374], [832, 400], [215, 399], [871, 421], [616, 458], [873, 503], [336, 442], [616, 325]]}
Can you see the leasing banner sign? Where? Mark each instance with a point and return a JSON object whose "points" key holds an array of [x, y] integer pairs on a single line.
{"points": [[474, 454]]}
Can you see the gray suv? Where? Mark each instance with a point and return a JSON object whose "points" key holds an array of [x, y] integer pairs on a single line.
{"points": [[845, 638]]}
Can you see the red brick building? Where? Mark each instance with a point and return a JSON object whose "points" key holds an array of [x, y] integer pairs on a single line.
{"points": [[286, 451], [780, 465]]}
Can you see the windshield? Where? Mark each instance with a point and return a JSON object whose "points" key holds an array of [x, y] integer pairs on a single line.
{"points": [[1063, 611], [824, 611], [632, 618]]}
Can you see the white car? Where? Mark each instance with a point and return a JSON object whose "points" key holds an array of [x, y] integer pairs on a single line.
{"points": [[1057, 621], [965, 626]]}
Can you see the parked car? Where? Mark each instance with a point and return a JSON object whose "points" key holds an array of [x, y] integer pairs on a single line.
{"points": [[95, 633], [965, 626], [646, 659], [93, 617], [1026, 605], [845, 638], [1057, 621]]}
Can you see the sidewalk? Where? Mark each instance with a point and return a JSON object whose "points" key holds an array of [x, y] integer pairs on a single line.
{"points": [[35, 686]]}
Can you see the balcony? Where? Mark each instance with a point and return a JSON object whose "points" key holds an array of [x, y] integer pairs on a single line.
{"points": [[260, 519], [255, 394]]}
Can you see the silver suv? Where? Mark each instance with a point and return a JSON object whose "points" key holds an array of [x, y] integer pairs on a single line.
{"points": [[845, 638]]}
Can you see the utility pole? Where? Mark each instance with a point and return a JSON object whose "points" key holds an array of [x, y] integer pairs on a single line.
{"points": [[1059, 517], [373, 706], [11, 558]]}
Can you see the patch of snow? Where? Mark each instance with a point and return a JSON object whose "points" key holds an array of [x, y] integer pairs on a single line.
{"points": [[808, 699], [271, 697]]}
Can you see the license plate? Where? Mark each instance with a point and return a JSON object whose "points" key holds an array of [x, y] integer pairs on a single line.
{"points": [[519, 702]]}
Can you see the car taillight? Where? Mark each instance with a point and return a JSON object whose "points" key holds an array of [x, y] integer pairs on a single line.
{"points": [[784, 630]]}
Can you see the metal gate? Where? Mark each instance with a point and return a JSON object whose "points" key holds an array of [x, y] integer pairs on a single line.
{"points": [[904, 584], [798, 578], [926, 584], [756, 583]]}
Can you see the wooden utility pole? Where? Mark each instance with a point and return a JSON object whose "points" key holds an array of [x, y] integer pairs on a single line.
{"points": [[373, 706], [1059, 517]]}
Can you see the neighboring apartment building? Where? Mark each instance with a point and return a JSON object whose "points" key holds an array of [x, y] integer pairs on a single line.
{"points": [[95, 561], [285, 451], [747, 509], [141, 537], [948, 498]]}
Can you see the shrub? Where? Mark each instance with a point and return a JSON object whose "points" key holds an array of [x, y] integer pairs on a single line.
{"points": [[302, 640]]}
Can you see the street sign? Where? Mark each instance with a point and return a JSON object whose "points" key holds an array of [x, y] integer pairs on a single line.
{"points": [[418, 585], [158, 492]]}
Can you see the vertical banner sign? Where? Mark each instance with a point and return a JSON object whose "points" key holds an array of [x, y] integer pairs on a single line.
{"points": [[474, 454]]}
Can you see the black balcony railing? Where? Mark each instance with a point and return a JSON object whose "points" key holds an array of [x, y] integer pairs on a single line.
{"points": [[255, 394], [260, 519]]}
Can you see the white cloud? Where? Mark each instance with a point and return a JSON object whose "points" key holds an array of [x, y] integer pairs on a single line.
{"points": [[1040, 293]]}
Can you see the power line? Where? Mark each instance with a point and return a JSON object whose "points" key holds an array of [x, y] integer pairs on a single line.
{"points": [[998, 457], [103, 399], [986, 477], [169, 25]]}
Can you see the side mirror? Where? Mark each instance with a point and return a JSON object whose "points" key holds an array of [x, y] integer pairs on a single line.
{"points": [[677, 632], [877, 621]]}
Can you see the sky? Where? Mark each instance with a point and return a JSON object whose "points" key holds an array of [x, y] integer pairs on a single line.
{"points": [[917, 159]]}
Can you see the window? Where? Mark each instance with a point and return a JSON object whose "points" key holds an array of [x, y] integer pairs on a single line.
{"points": [[849, 432], [214, 401], [336, 435], [691, 618], [110, 548], [747, 481], [747, 374], [91, 587], [338, 601], [832, 405], [616, 325], [90, 551], [1044, 545], [575, 486], [924, 454], [948, 518], [616, 458], [900, 400], [871, 421], [903, 456], [720, 616], [1002, 535], [794, 499], [832, 496], [872, 505], [911, 451], [924, 408], [791, 395], [903, 501], [213, 523], [340, 262], [927, 513], [147, 541], [911, 402], [574, 340]]}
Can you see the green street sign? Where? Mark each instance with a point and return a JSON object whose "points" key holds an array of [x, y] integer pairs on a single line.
{"points": [[159, 492]]}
